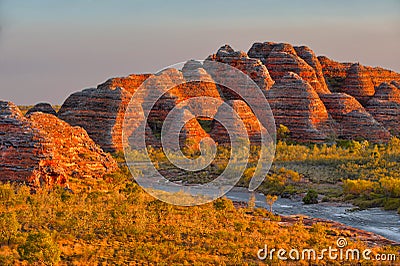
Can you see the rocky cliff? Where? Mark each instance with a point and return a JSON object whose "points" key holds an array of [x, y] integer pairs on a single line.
{"points": [[41, 149], [281, 58], [297, 105], [384, 106], [100, 111], [250, 122], [315, 97], [352, 120], [250, 66], [355, 78]]}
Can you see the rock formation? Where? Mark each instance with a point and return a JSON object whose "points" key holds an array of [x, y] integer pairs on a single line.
{"points": [[396, 84], [280, 58], [45, 108], [360, 76], [334, 72], [296, 105], [249, 120], [250, 66], [387, 92], [190, 135], [41, 149], [198, 84], [358, 83], [295, 98], [100, 112], [353, 121], [311, 59], [385, 107], [129, 83], [379, 75], [177, 87]]}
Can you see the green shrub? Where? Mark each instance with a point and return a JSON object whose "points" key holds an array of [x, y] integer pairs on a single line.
{"points": [[7, 260], [369, 203], [282, 132], [219, 204], [9, 227], [39, 247], [6, 192], [311, 197], [392, 204]]}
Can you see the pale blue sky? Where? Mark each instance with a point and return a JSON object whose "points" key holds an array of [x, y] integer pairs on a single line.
{"points": [[50, 48]]}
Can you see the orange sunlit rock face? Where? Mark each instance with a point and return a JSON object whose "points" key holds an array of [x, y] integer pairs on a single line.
{"points": [[296, 105], [42, 149], [250, 122], [352, 120], [250, 66], [100, 111], [297, 83], [281, 58]]}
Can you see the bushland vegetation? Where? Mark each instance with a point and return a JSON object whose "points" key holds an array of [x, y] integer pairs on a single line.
{"points": [[365, 174], [113, 221]]}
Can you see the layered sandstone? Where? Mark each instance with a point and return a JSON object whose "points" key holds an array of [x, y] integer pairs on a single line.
{"points": [[180, 87], [45, 108], [189, 135], [379, 75], [294, 98], [280, 58], [250, 66], [311, 59], [129, 83], [250, 122], [100, 112], [198, 83], [396, 84], [358, 83], [135, 127], [385, 107], [331, 68], [261, 51], [335, 74], [296, 105], [352, 120], [41, 149]]}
